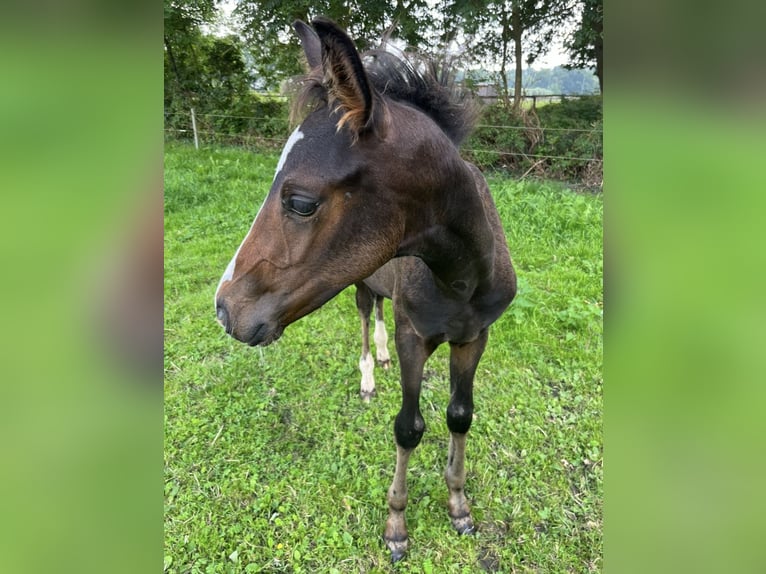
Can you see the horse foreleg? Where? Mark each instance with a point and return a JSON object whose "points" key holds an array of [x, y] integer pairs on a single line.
{"points": [[364, 302], [409, 427], [459, 510], [464, 358], [396, 525]]}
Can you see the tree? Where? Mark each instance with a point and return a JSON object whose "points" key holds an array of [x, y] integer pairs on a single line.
{"points": [[504, 30], [276, 52], [182, 21], [586, 44], [202, 71]]}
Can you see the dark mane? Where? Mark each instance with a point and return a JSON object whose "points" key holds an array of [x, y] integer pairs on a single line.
{"points": [[424, 83]]}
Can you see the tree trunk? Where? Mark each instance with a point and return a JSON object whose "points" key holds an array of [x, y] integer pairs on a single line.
{"points": [[504, 92], [173, 64], [599, 50], [516, 35]]}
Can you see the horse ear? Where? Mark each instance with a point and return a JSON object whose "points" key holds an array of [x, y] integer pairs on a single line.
{"points": [[348, 83], [310, 42]]}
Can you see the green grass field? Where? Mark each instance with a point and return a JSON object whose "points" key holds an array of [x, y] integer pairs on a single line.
{"points": [[272, 462]]}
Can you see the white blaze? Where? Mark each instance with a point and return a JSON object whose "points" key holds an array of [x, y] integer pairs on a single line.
{"points": [[291, 141], [230, 268]]}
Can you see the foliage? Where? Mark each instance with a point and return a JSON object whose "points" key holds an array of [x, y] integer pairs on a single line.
{"points": [[252, 119], [215, 75], [273, 464], [501, 32], [572, 113], [586, 43], [496, 30], [515, 141], [203, 72], [212, 78], [183, 61], [268, 28], [182, 17]]}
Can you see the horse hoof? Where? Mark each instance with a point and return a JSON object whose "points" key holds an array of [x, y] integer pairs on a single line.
{"points": [[385, 365], [398, 549], [464, 525], [367, 395]]}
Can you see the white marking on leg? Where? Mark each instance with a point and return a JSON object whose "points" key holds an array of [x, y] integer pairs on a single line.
{"points": [[381, 342], [366, 366], [231, 267]]}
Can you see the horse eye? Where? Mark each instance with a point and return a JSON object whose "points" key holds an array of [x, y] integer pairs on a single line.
{"points": [[300, 205]]}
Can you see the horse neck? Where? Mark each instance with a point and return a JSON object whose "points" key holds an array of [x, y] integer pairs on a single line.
{"points": [[448, 228]]}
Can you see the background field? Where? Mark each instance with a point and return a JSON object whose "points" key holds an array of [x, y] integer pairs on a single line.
{"points": [[273, 464]]}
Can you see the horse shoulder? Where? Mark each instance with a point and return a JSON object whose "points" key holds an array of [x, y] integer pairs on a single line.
{"points": [[495, 296]]}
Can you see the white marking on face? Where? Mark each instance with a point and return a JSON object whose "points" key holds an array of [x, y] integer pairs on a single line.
{"points": [[291, 141], [231, 267], [229, 273]]}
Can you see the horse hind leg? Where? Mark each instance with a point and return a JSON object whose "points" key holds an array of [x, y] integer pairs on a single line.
{"points": [[463, 362], [364, 303], [380, 335]]}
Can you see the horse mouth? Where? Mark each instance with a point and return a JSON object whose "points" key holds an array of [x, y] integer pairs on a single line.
{"points": [[265, 335]]}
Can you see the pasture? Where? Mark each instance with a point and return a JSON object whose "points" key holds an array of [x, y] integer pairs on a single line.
{"points": [[274, 464]]}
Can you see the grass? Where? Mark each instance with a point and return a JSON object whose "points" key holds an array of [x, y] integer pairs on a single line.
{"points": [[273, 464]]}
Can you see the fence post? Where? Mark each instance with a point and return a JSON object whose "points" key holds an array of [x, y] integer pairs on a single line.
{"points": [[194, 128]]}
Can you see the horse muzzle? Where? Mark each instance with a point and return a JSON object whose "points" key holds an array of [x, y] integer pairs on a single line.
{"points": [[252, 331], [222, 315], [263, 334]]}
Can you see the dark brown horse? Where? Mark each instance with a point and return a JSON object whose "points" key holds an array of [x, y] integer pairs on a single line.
{"points": [[371, 190]]}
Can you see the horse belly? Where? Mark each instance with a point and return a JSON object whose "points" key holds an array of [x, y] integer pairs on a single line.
{"points": [[383, 280]]}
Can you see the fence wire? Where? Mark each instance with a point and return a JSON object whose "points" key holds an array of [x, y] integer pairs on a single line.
{"points": [[208, 135]]}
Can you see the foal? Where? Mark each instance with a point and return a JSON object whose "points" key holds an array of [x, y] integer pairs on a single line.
{"points": [[371, 189]]}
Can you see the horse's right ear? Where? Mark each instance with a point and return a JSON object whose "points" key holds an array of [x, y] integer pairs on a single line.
{"points": [[310, 42]]}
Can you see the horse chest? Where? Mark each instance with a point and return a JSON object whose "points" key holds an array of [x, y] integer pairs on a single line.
{"points": [[440, 319], [433, 314]]}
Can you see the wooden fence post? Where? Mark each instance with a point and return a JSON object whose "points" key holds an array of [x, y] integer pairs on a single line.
{"points": [[194, 128]]}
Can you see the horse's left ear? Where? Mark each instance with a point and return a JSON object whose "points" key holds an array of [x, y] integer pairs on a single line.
{"points": [[348, 83]]}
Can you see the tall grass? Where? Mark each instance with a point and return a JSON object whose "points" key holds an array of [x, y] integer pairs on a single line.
{"points": [[273, 464]]}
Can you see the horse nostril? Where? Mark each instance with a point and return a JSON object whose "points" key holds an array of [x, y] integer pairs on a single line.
{"points": [[222, 315]]}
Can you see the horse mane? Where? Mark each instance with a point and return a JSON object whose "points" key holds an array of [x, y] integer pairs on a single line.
{"points": [[427, 84]]}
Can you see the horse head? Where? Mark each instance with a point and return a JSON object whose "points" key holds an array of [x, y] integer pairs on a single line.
{"points": [[327, 220]]}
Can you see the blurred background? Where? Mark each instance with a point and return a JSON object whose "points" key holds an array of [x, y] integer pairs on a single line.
{"points": [[81, 370]]}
